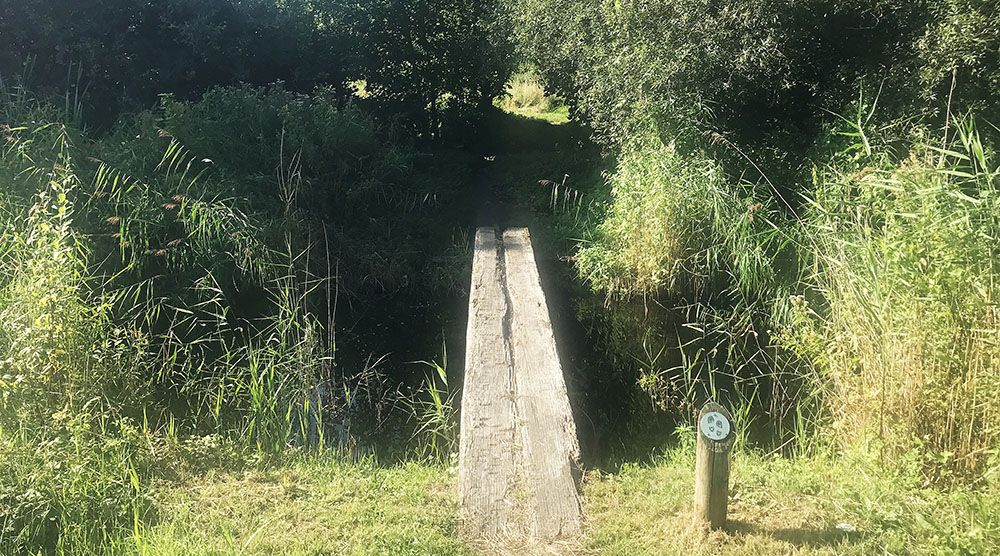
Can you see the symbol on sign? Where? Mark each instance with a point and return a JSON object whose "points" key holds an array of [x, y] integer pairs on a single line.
{"points": [[715, 426]]}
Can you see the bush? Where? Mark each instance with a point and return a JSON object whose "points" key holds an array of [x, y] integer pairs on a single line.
{"points": [[676, 225], [111, 57], [525, 92], [118, 55], [760, 75]]}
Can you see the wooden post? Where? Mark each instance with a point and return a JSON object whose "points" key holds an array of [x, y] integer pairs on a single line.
{"points": [[711, 476]]}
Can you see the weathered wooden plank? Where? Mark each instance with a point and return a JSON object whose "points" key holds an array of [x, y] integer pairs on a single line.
{"points": [[489, 458], [549, 444]]}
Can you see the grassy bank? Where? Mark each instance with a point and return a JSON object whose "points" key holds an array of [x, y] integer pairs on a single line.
{"points": [[831, 504]]}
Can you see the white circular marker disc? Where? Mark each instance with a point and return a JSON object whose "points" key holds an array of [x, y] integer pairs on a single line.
{"points": [[715, 426]]}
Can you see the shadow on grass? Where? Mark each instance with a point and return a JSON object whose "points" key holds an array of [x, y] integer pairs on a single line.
{"points": [[505, 133], [802, 537]]}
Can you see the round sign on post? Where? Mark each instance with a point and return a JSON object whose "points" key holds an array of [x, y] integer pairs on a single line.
{"points": [[711, 487], [715, 426]]}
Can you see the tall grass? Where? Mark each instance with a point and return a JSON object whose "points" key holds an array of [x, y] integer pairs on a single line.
{"points": [[525, 92], [169, 291], [680, 234], [677, 223], [71, 453], [125, 353], [867, 317], [901, 305], [436, 412]]}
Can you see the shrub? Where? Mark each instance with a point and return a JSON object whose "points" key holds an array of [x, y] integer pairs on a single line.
{"points": [[761, 75], [118, 55], [677, 226], [115, 56]]}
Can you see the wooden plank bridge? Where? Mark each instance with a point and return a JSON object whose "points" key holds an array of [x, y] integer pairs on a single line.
{"points": [[519, 453]]}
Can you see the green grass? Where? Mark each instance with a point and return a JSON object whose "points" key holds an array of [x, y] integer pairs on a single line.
{"points": [[556, 115], [810, 505], [845, 504], [310, 506], [525, 95]]}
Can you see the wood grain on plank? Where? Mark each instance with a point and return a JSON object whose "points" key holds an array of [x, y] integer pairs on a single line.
{"points": [[489, 459], [518, 454], [549, 444]]}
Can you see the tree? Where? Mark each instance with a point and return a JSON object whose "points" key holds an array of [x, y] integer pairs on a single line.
{"points": [[123, 53], [422, 56]]}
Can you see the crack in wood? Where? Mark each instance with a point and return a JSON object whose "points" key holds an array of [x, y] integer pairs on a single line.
{"points": [[519, 454]]}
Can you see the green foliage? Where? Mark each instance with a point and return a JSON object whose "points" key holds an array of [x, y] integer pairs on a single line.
{"points": [[327, 161], [168, 283], [902, 298], [426, 56], [675, 223], [67, 488], [757, 74], [70, 378], [118, 55], [110, 57], [958, 55], [835, 268]]}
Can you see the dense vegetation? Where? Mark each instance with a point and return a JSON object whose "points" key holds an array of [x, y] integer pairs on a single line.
{"points": [[814, 183], [151, 293], [209, 276], [418, 58], [235, 246]]}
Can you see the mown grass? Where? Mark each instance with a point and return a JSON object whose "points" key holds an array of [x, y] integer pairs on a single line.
{"points": [[833, 504], [316, 505], [817, 505]]}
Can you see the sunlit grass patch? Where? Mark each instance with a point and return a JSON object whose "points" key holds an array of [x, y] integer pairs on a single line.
{"points": [[320, 506], [820, 505], [557, 115], [525, 95]]}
